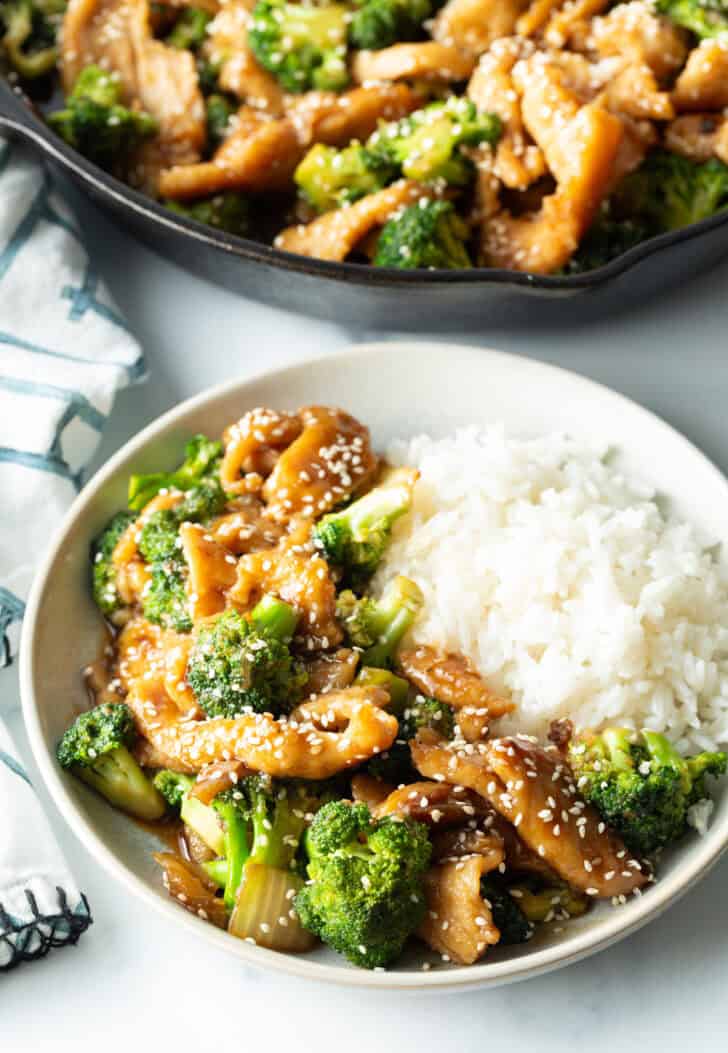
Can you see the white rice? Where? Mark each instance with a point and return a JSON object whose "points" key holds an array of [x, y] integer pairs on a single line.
{"points": [[565, 585]]}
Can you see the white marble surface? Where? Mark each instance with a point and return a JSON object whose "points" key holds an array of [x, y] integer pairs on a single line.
{"points": [[137, 980]]}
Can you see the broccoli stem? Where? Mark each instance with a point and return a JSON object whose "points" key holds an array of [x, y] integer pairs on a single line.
{"points": [[617, 741], [217, 871], [117, 777], [275, 618], [236, 848], [396, 611], [397, 687]]}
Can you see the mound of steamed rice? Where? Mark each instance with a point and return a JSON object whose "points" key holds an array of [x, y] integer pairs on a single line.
{"points": [[565, 585]]}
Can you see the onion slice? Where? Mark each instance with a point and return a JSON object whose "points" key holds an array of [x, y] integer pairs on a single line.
{"points": [[264, 910]]}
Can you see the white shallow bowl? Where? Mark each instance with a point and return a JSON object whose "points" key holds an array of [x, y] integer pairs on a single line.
{"points": [[397, 389]]}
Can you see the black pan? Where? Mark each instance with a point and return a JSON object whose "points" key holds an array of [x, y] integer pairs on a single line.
{"points": [[374, 296]]}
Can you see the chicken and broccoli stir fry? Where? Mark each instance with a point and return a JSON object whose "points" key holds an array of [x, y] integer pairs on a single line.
{"points": [[546, 136], [324, 778]]}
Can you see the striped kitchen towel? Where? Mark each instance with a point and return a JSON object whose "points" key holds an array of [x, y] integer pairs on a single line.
{"points": [[64, 352]]}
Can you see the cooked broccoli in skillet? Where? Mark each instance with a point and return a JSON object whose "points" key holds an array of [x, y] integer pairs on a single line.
{"points": [[606, 239], [96, 748], [378, 626], [219, 110], [303, 45], [364, 895], [329, 178], [640, 784], [103, 571], [509, 919], [228, 211], [238, 665], [190, 28], [29, 35], [427, 144], [354, 539], [707, 19], [95, 122], [379, 23], [426, 235], [202, 458]]}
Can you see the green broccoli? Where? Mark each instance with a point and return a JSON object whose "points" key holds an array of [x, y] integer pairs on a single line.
{"points": [[202, 460], [706, 19], [329, 178], [640, 785], [429, 235], [395, 764], [229, 212], [238, 666], [94, 122], [303, 45], [365, 894], [509, 919], [377, 24], [398, 688], [190, 29], [427, 145], [219, 110], [202, 818], [29, 37], [103, 572], [164, 599], [668, 192], [378, 626], [96, 748], [539, 903], [606, 239], [354, 539]]}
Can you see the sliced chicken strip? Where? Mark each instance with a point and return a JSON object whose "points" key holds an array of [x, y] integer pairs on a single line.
{"points": [[212, 571], [459, 923], [473, 25], [333, 734], [703, 84], [434, 803], [638, 36], [335, 235], [699, 136], [227, 46], [429, 60], [572, 23], [261, 154], [533, 789]]}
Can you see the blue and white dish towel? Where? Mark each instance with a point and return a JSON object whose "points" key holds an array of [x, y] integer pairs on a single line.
{"points": [[64, 353]]}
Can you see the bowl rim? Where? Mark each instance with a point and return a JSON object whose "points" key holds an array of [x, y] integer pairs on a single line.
{"points": [[31, 126], [611, 927]]}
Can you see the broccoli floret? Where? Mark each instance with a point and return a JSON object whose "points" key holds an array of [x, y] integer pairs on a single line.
{"points": [[365, 895], [539, 903], [29, 37], [509, 919], [378, 23], [378, 626], [395, 764], [354, 539], [95, 123], [640, 785], [429, 235], [303, 45], [606, 239], [190, 29], [427, 145], [229, 212], [219, 109], [165, 596], [707, 19], [329, 178], [103, 572], [237, 665], [668, 191], [96, 748], [202, 460]]}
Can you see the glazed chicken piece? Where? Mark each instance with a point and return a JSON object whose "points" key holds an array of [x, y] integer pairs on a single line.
{"points": [[472, 26], [459, 923], [518, 161], [637, 36], [116, 35], [331, 460], [335, 235], [331, 672], [699, 136], [227, 47], [217, 778], [429, 60], [572, 23], [212, 571], [703, 84], [253, 446], [580, 143], [297, 577], [262, 154], [533, 789], [434, 803], [244, 528], [452, 678]]}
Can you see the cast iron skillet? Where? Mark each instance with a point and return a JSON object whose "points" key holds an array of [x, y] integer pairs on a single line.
{"points": [[369, 296]]}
